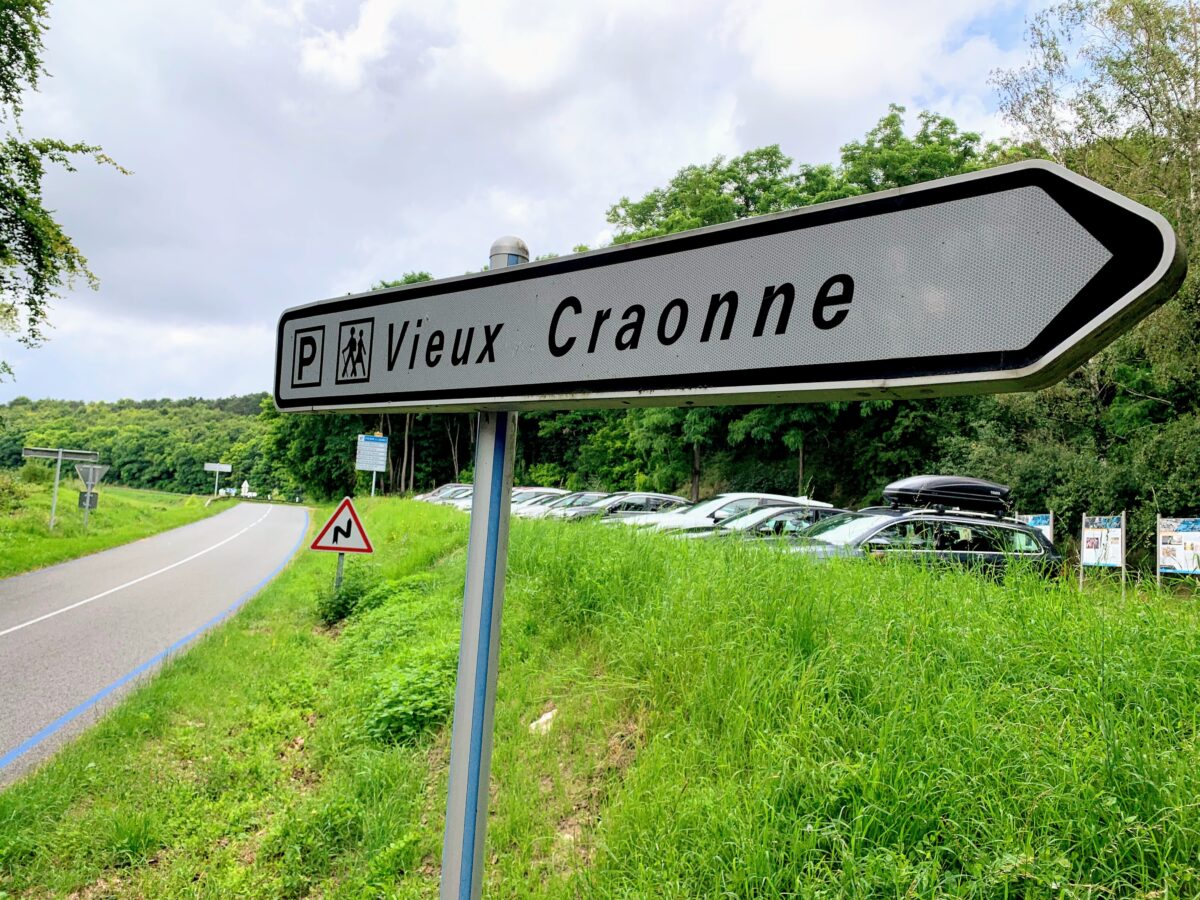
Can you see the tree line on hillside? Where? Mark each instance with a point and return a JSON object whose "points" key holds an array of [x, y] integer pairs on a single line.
{"points": [[1107, 92]]}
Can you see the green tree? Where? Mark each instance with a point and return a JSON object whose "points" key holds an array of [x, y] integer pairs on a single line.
{"points": [[37, 258], [888, 157], [754, 183]]}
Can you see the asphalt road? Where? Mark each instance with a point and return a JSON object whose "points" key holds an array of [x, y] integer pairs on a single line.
{"points": [[76, 636]]}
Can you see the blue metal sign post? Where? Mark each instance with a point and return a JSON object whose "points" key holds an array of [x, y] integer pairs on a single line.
{"points": [[479, 649]]}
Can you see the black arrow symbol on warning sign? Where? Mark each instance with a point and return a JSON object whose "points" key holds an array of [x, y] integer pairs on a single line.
{"points": [[344, 532]]}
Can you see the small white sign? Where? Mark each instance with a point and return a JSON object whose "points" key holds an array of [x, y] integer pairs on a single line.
{"points": [[372, 455], [1103, 542], [218, 467], [1179, 546]]}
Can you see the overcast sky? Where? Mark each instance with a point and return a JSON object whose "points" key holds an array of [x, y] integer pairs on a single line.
{"points": [[287, 151]]}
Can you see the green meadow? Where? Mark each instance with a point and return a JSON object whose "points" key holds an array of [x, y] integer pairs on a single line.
{"points": [[729, 721], [123, 515]]}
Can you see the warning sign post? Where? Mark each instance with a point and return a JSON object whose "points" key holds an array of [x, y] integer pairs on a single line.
{"points": [[342, 534]]}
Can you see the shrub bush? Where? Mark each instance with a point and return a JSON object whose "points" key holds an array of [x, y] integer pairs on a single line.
{"points": [[12, 493], [34, 472], [358, 580], [412, 699]]}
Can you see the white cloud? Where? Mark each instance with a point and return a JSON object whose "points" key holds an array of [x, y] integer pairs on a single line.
{"points": [[290, 150], [342, 57]]}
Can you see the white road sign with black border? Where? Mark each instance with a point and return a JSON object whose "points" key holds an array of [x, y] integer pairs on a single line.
{"points": [[1004, 279]]}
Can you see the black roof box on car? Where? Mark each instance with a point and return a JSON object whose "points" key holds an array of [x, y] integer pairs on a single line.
{"points": [[948, 490]]}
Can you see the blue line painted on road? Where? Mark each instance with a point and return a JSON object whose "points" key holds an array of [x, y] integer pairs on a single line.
{"points": [[482, 655], [21, 749]]}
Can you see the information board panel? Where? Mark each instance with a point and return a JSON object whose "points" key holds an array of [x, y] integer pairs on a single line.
{"points": [[1103, 542], [1179, 546], [371, 453]]}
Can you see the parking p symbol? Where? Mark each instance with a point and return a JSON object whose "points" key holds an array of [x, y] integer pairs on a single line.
{"points": [[308, 357]]}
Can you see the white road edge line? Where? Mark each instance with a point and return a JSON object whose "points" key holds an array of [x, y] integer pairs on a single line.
{"points": [[121, 587]]}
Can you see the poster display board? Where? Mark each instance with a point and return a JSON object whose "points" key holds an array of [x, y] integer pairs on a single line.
{"points": [[1043, 522], [1102, 544], [1103, 541], [1178, 547]]}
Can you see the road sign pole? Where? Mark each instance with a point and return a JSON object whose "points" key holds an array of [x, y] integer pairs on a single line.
{"points": [[479, 649], [87, 487], [216, 482], [373, 474], [1124, 570], [1158, 550], [54, 498], [337, 579]]}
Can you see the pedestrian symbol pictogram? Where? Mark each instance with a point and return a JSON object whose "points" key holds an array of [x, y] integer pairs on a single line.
{"points": [[354, 351], [344, 532]]}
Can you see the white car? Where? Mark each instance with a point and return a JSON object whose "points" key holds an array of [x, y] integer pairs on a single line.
{"points": [[462, 501], [530, 495], [620, 506], [763, 521], [719, 508], [579, 498], [441, 491]]}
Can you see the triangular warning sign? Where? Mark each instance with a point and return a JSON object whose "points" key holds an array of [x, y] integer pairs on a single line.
{"points": [[343, 533]]}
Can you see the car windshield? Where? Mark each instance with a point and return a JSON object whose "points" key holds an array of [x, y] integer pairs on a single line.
{"points": [[751, 517], [703, 507], [586, 499], [575, 500], [847, 528]]}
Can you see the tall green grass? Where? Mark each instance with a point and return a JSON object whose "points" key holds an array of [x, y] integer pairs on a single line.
{"points": [[730, 721], [858, 728], [123, 515]]}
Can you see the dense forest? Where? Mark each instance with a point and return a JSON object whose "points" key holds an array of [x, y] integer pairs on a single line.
{"points": [[1109, 92]]}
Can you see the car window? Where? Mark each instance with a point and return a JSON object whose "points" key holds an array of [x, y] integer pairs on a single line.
{"points": [[848, 528], [911, 535], [960, 537], [736, 507], [787, 523], [1019, 541]]}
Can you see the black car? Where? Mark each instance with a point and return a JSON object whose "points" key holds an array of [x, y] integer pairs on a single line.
{"points": [[983, 539]]}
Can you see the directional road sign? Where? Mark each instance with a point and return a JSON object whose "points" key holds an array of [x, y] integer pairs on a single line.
{"points": [[999, 280], [344, 532], [64, 455], [372, 453], [218, 467]]}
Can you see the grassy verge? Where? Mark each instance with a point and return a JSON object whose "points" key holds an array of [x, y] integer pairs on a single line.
{"points": [[123, 515], [729, 722]]}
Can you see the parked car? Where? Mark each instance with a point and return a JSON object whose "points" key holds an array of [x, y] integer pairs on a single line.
{"points": [[619, 506], [461, 501], [441, 491], [567, 501], [450, 496], [526, 509], [716, 510], [980, 538], [521, 496], [766, 521]]}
